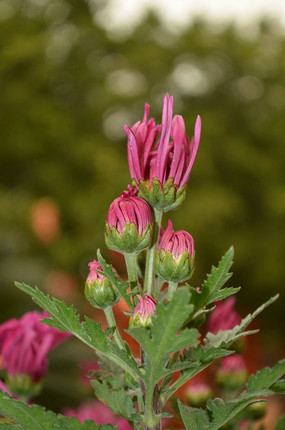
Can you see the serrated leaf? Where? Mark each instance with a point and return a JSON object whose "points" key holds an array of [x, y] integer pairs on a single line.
{"points": [[266, 377], [224, 338], [120, 287], [215, 281], [115, 398], [194, 419], [219, 412], [223, 294], [163, 338], [195, 361], [89, 332], [34, 417]]}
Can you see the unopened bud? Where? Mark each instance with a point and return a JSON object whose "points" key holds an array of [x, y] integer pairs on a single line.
{"points": [[143, 312], [175, 255], [198, 393], [129, 223], [232, 373], [98, 289]]}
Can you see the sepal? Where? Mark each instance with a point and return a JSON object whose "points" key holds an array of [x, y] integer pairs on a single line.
{"points": [[161, 197]]}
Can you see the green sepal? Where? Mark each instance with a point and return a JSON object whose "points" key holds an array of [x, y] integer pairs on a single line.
{"points": [[162, 197], [172, 270], [130, 241]]}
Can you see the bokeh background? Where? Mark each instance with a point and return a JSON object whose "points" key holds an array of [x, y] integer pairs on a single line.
{"points": [[69, 81]]}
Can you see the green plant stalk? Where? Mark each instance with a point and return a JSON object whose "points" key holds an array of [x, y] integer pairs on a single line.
{"points": [[150, 258], [172, 286], [112, 324], [131, 263]]}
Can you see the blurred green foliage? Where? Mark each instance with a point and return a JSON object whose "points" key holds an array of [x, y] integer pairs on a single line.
{"points": [[67, 89]]}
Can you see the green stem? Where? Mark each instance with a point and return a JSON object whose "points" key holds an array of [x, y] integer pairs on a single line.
{"points": [[172, 286], [150, 258], [131, 263], [112, 324]]}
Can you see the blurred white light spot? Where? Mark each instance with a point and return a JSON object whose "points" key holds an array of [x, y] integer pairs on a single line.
{"points": [[248, 87], [61, 41], [114, 122], [190, 79], [126, 82]]}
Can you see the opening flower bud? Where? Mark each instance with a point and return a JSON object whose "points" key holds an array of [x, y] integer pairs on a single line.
{"points": [[143, 312], [129, 223], [175, 255], [161, 157], [98, 289], [232, 373]]}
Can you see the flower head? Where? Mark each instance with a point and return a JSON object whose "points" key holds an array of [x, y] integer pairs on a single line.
{"points": [[129, 223], [175, 255], [143, 312], [161, 157], [24, 345], [98, 289]]}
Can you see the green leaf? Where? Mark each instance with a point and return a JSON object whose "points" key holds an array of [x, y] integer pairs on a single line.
{"points": [[219, 412], [89, 332], [35, 417], [279, 387], [210, 290], [265, 378], [194, 419], [224, 338], [115, 398], [162, 339], [120, 287]]}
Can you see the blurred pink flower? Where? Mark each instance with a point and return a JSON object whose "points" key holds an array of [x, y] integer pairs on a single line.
{"points": [[99, 413], [224, 316], [25, 343]]}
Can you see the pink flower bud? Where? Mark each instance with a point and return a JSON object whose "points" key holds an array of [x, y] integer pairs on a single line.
{"points": [[162, 161], [129, 223], [224, 316], [175, 255], [143, 312], [98, 289], [198, 393], [232, 373]]}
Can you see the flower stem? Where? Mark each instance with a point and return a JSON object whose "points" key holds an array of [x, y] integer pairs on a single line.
{"points": [[112, 324], [150, 258], [172, 286], [131, 263]]}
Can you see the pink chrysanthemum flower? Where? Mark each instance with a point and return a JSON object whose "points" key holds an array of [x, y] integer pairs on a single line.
{"points": [[160, 164], [129, 223], [175, 255], [99, 413], [25, 343], [143, 312], [98, 289]]}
